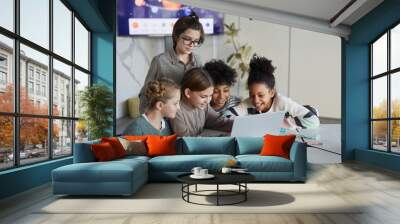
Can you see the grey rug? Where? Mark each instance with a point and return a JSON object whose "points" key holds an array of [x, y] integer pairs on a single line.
{"points": [[166, 198]]}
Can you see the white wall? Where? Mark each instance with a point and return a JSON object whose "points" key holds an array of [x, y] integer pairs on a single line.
{"points": [[133, 59], [308, 64], [315, 71]]}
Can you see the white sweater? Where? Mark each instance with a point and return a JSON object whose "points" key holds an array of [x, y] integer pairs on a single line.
{"points": [[303, 117]]}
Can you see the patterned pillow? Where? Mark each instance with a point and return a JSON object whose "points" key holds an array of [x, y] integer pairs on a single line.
{"points": [[133, 147]]}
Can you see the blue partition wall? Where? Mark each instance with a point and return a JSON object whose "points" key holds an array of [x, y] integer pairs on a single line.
{"points": [[100, 16], [356, 86]]}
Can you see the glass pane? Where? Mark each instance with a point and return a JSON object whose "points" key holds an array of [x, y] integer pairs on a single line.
{"points": [[6, 142], [35, 21], [395, 47], [395, 136], [379, 135], [33, 139], [62, 141], [7, 14], [62, 89], [34, 97], [6, 74], [81, 131], [379, 98], [81, 81], [62, 29], [379, 55], [81, 45], [395, 94]]}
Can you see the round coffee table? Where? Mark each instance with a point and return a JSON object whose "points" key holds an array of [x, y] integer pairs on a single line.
{"points": [[238, 179]]}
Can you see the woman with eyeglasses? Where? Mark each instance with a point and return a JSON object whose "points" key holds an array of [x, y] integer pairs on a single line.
{"points": [[187, 34]]}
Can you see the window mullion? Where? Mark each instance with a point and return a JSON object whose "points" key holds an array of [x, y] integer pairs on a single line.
{"points": [[389, 106], [73, 82], [16, 83], [50, 87]]}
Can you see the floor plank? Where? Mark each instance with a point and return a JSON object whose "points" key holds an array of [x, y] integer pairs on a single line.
{"points": [[377, 189]]}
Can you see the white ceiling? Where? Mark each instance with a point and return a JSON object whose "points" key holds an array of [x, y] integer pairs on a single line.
{"points": [[314, 15], [320, 9]]}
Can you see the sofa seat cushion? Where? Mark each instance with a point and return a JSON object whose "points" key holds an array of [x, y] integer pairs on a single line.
{"points": [[257, 163], [133, 157], [185, 163], [112, 171]]}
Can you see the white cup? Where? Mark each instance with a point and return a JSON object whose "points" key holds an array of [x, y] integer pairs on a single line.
{"points": [[226, 170], [203, 172], [196, 171]]}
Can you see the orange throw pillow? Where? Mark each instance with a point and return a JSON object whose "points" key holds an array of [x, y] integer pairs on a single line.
{"points": [[103, 151], [277, 145], [135, 137], [161, 145], [116, 145]]}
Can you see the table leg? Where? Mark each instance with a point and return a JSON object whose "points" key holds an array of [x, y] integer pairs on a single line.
{"points": [[196, 188], [217, 194], [245, 193]]}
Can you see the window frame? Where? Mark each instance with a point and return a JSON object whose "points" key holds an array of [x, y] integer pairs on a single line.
{"points": [[388, 74], [16, 114]]}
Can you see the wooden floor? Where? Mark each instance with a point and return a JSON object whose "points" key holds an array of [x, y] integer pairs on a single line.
{"points": [[378, 188]]}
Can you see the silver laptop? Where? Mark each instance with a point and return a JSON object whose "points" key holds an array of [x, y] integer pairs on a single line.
{"points": [[258, 125]]}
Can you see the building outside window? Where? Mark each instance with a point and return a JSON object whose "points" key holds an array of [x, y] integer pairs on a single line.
{"points": [[30, 87], [43, 90], [3, 71], [385, 91], [44, 77], [3, 78], [30, 72], [38, 89]]}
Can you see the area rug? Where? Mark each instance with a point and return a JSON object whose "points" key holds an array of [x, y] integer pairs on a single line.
{"points": [[167, 198]]}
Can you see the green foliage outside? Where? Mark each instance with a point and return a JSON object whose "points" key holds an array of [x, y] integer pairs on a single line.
{"points": [[380, 127]]}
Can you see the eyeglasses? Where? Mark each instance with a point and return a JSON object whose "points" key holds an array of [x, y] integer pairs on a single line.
{"points": [[189, 42]]}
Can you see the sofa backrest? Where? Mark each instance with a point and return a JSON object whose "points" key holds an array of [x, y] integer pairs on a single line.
{"points": [[83, 153], [249, 145], [206, 145]]}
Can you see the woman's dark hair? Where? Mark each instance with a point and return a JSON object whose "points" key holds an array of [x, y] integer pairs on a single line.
{"points": [[196, 79], [221, 73], [261, 71], [187, 22]]}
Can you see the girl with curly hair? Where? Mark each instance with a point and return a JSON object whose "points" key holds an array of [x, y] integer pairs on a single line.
{"points": [[163, 97], [264, 98]]}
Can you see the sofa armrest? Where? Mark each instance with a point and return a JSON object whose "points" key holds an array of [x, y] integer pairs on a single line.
{"points": [[298, 155], [83, 152]]}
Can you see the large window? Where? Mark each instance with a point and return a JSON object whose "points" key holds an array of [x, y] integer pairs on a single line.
{"points": [[44, 64], [385, 91]]}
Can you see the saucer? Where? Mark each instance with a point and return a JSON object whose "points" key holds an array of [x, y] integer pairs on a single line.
{"points": [[208, 176]]}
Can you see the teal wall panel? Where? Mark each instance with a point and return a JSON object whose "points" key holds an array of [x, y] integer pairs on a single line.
{"points": [[377, 158], [24, 178], [102, 58]]}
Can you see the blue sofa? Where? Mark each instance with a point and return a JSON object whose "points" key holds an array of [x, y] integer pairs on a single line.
{"points": [[125, 176]]}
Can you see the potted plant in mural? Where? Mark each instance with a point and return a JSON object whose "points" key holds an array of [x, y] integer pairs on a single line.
{"points": [[240, 58], [96, 102]]}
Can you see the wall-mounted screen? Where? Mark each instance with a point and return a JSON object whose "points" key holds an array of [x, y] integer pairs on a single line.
{"points": [[157, 17]]}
